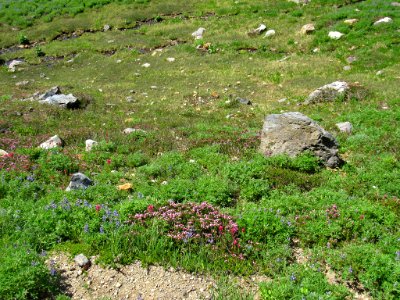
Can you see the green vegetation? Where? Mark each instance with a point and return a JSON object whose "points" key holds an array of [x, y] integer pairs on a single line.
{"points": [[197, 144]]}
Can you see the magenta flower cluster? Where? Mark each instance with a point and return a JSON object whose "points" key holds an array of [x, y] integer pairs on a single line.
{"points": [[194, 222]]}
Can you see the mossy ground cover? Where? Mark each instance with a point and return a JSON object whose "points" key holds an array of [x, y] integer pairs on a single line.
{"points": [[200, 144]]}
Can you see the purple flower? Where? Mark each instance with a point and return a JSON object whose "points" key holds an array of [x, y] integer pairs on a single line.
{"points": [[53, 272], [34, 263], [101, 229], [350, 270], [86, 228], [30, 178], [293, 277], [398, 255], [140, 195], [115, 213], [43, 253]]}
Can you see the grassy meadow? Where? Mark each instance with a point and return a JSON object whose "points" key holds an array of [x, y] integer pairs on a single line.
{"points": [[195, 162]]}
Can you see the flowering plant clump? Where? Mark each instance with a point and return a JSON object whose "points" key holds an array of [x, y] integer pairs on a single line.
{"points": [[196, 223]]}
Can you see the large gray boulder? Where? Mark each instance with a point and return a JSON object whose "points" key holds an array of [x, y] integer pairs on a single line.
{"points": [[54, 97], [79, 181], [293, 133]]}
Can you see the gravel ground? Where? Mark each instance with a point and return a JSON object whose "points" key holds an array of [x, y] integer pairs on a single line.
{"points": [[136, 282]]}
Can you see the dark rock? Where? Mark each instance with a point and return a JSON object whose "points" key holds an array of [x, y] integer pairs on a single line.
{"points": [[79, 181], [293, 133]]}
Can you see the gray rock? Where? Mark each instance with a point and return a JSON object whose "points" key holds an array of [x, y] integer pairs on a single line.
{"points": [[90, 144], [293, 133], [14, 63], [395, 4], [82, 261], [328, 92], [243, 101], [53, 142], [54, 97], [79, 181], [345, 127], [106, 27], [347, 68], [67, 101], [51, 92], [307, 29]]}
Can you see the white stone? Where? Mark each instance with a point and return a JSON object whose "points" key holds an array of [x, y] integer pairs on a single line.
{"points": [[3, 153], [198, 34], [146, 65], [350, 21], [335, 35], [260, 29], [130, 130], [270, 33], [52, 142], [347, 68], [380, 72], [171, 59], [383, 20], [308, 28], [90, 144], [13, 64], [345, 127]]}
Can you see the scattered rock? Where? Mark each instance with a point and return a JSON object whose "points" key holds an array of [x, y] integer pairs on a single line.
{"points": [[328, 92], [347, 68], [258, 30], [51, 92], [130, 130], [14, 63], [300, 1], [293, 133], [22, 83], [52, 142], [171, 59], [383, 20], [335, 35], [3, 153], [336, 90], [82, 261], [106, 27], [307, 29], [79, 181], [270, 33], [125, 187], [243, 101], [345, 127], [351, 59], [380, 72], [146, 65], [350, 21], [90, 144], [395, 4], [67, 101], [198, 34]]}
